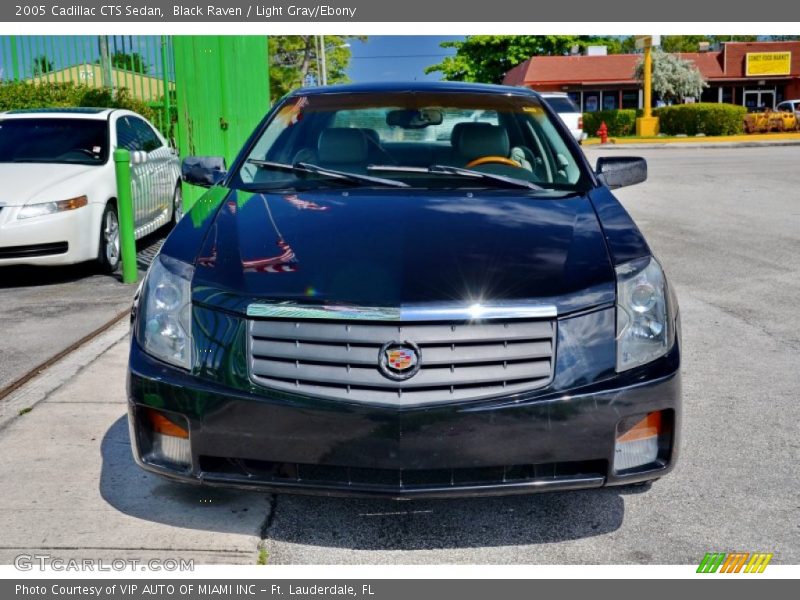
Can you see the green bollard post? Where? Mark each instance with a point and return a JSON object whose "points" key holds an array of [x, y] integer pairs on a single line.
{"points": [[127, 240]]}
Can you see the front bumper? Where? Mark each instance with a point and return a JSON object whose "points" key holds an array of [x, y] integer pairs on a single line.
{"points": [[551, 440], [59, 239]]}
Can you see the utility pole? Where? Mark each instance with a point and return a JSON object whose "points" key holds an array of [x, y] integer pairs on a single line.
{"points": [[105, 62], [323, 61]]}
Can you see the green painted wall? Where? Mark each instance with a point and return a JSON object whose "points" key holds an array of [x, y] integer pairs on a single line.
{"points": [[222, 92]]}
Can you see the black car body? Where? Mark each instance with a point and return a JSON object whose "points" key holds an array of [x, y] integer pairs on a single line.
{"points": [[323, 322]]}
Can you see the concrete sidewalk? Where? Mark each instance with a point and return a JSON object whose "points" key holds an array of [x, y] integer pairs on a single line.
{"points": [[71, 488]]}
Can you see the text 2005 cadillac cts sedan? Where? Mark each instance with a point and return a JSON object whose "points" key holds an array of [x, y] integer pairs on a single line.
{"points": [[411, 291]]}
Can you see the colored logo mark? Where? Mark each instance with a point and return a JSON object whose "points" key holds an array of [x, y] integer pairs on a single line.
{"points": [[735, 562]]}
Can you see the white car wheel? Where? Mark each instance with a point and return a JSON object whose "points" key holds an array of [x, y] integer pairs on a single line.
{"points": [[109, 253]]}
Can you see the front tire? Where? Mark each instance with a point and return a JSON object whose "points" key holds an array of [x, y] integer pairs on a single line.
{"points": [[108, 254], [177, 204]]}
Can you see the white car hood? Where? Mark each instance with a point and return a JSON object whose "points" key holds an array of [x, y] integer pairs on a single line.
{"points": [[23, 182]]}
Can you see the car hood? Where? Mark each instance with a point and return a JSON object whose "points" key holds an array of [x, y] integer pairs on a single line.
{"points": [[398, 248], [23, 182]]}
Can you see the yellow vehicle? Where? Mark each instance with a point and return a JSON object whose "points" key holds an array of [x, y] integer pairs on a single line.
{"points": [[769, 120]]}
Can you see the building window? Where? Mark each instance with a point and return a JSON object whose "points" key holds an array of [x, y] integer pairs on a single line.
{"points": [[591, 101], [727, 94], [630, 99], [710, 94], [610, 100]]}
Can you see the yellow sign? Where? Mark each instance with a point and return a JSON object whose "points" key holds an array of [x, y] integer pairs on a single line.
{"points": [[768, 63]]}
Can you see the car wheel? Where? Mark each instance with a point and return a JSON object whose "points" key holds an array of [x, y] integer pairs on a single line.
{"points": [[108, 256], [177, 204]]}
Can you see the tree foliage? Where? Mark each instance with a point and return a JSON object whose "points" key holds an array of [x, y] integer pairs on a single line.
{"points": [[674, 78], [294, 61], [42, 65], [487, 58], [691, 43], [130, 61]]}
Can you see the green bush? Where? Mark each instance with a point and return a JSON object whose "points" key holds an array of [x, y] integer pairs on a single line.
{"points": [[19, 95], [619, 122], [704, 117]]}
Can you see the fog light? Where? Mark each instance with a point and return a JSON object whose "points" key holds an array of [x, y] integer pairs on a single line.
{"points": [[169, 440], [637, 442]]}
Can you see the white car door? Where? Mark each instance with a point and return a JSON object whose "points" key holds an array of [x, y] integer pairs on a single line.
{"points": [[160, 182], [128, 138]]}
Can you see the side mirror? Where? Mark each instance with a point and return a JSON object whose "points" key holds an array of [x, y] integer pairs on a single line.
{"points": [[621, 171], [204, 171], [138, 157]]}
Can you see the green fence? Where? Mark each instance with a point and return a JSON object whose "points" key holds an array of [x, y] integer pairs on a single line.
{"points": [[135, 70]]}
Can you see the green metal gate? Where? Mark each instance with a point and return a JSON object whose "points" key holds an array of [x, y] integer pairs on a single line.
{"points": [[205, 93], [134, 71], [222, 85]]}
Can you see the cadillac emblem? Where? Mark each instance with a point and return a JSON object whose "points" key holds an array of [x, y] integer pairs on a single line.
{"points": [[399, 360]]}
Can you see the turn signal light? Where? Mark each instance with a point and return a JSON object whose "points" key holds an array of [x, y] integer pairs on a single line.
{"points": [[638, 445], [648, 427], [161, 424]]}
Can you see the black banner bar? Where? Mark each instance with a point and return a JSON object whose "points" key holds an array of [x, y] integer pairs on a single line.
{"points": [[343, 11], [391, 589]]}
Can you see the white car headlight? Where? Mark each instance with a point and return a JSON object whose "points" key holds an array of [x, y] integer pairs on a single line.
{"points": [[642, 314], [165, 311], [39, 209]]}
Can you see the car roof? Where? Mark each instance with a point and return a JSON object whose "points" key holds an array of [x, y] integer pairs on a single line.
{"points": [[71, 112], [415, 86]]}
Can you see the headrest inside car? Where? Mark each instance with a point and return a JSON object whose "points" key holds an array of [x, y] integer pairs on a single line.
{"points": [[473, 140], [342, 145]]}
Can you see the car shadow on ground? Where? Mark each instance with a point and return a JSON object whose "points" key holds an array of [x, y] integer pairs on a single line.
{"points": [[362, 524]]}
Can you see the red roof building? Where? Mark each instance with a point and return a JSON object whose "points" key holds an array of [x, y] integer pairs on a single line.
{"points": [[752, 74]]}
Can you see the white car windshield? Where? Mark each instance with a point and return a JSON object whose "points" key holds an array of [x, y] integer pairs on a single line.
{"points": [[51, 140]]}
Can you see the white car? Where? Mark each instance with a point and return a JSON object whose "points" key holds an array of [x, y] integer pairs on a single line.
{"points": [[58, 193], [568, 111]]}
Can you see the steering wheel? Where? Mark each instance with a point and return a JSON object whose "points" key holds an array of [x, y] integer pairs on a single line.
{"points": [[500, 160]]}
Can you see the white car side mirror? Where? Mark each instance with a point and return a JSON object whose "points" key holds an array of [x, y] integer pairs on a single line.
{"points": [[138, 157]]}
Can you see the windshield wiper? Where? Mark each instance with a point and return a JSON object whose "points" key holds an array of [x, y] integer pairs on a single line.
{"points": [[310, 169], [460, 172]]}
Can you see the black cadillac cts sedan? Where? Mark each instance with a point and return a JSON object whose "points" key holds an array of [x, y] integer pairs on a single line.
{"points": [[407, 290]]}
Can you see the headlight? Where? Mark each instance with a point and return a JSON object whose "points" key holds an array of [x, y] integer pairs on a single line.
{"points": [[643, 329], [48, 208], [165, 312]]}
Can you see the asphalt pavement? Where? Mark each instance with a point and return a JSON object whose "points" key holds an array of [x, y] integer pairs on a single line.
{"points": [[45, 310], [726, 225]]}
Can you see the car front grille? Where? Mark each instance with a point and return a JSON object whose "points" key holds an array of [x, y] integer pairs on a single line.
{"points": [[458, 360]]}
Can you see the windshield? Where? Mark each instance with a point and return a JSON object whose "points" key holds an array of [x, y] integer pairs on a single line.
{"points": [[422, 139], [561, 104], [80, 141]]}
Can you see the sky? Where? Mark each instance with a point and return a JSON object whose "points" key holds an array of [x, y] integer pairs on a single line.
{"points": [[397, 57]]}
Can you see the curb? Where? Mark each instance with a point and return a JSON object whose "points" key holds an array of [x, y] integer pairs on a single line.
{"points": [[698, 145]]}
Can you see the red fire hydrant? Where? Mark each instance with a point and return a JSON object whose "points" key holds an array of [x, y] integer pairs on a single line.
{"points": [[603, 132]]}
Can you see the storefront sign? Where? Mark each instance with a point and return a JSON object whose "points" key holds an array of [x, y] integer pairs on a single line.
{"points": [[768, 63]]}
